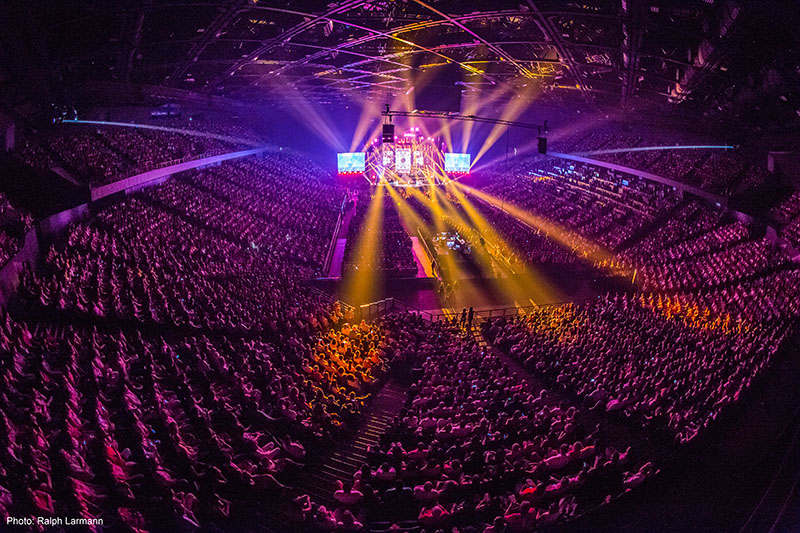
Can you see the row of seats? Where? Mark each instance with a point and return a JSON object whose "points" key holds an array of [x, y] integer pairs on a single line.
{"points": [[103, 155], [673, 369], [476, 447]]}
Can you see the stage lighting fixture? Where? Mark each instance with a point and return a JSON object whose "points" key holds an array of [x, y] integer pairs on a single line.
{"points": [[542, 145], [388, 133]]}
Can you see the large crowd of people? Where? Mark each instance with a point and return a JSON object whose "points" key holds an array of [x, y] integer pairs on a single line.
{"points": [[476, 446], [589, 208], [190, 256], [169, 367], [172, 431], [15, 222], [699, 247], [716, 170], [100, 155], [716, 303], [166, 369], [673, 368]]}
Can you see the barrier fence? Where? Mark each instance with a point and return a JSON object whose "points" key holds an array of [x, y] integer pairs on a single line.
{"points": [[379, 308]]}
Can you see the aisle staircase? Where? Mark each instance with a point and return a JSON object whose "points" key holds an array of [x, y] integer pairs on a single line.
{"points": [[319, 478]]}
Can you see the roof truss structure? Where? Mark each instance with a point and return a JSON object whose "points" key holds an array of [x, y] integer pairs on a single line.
{"points": [[600, 52]]}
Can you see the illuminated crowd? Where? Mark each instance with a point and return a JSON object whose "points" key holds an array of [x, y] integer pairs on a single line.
{"points": [[169, 366], [476, 446], [98, 155]]}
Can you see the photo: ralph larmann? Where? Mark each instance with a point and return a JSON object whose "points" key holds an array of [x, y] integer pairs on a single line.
{"points": [[52, 521]]}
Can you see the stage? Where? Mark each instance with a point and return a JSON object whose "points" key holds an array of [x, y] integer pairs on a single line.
{"points": [[570, 285], [407, 160]]}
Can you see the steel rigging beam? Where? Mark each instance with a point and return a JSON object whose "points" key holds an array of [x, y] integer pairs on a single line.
{"points": [[467, 118]]}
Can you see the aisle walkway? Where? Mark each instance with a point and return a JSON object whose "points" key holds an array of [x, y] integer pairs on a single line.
{"points": [[319, 476], [338, 258], [318, 479], [335, 270], [424, 269]]}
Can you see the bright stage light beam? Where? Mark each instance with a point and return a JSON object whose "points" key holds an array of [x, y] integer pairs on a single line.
{"points": [[656, 148], [369, 112], [526, 281], [511, 112], [361, 283], [570, 240]]}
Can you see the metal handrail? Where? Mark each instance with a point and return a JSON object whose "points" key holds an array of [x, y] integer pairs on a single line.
{"points": [[332, 245], [331, 299], [378, 308]]}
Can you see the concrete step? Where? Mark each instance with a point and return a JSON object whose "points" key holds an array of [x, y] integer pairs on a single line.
{"points": [[318, 480], [345, 463]]}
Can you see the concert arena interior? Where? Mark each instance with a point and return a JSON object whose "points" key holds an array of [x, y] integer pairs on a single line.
{"points": [[428, 266]]}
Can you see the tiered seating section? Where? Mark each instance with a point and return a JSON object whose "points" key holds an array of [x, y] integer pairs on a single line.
{"points": [[104, 155], [476, 445], [716, 171], [596, 205], [698, 248], [708, 288], [231, 259], [15, 222], [672, 368]]}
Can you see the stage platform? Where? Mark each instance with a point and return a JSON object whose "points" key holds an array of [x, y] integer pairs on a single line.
{"points": [[484, 293]]}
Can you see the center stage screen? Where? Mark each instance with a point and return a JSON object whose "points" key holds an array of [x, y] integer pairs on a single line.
{"points": [[403, 161], [456, 162], [413, 161], [351, 162]]}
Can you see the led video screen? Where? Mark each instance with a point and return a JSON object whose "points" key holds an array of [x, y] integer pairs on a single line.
{"points": [[403, 161], [456, 162], [351, 162]]}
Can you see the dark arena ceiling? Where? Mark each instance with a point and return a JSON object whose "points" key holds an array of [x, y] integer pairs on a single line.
{"points": [[712, 55]]}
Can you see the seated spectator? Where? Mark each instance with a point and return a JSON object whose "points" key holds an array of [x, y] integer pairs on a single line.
{"points": [[348, 496]]}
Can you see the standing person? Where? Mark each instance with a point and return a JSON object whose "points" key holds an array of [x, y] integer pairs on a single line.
{"points": [[470, 316], [463, 316]]}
